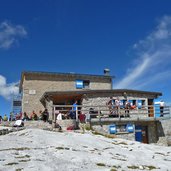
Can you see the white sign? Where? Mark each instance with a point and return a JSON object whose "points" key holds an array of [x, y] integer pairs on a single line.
{"points": [[32, 91]]}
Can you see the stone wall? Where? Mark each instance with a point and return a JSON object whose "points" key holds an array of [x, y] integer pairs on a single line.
{"points": [[164, 132], [105, 130], [151, 130], [96, 100], [34, 89]]}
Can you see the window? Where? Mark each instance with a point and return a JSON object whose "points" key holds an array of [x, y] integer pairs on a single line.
{"points": [[86, 84], [82, 84], [134, 102]]}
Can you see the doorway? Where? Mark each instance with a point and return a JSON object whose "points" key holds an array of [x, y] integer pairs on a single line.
{"points": [[141, 134]]}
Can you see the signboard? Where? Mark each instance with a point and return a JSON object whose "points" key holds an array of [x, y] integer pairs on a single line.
{"points": [[16, 105], [32, 91], [79, 84]]}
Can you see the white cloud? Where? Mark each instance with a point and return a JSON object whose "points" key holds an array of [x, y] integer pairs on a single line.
{"points": [[8, 90], [10, 34], [153, 59]]}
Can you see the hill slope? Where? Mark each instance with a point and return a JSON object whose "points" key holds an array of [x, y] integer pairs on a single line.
{"points": [[36, 149]]}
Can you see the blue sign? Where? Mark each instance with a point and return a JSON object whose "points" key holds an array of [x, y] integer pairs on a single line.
{"points": [[112, 129], [79, 84], [130, 128]]}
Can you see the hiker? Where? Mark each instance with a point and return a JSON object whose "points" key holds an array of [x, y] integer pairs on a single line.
{"points": [[45, 115], [0, 119], [25, 118], [5, 118], [162, 108], [72, 113], [11, 118], [127, 107], [110, 105], [34, 116], [82, 118], [117, 105]]}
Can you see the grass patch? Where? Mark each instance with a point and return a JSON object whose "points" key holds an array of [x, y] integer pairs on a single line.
{"points": [[97, 133], [113, 169], [119, 159], [62, 148], [133, 167], [87, 127], [100, 164], [19, 169], [151, 167], [105, 135], [107, 148], [143, 167], [160, 153], [21, 157], [39, 160], [110, 136], [12, 163], [24, 160], [66, 148], [117, 167], [17, 149]]}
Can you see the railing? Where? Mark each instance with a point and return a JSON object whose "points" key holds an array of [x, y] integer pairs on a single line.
{"points": [[103, 111]]}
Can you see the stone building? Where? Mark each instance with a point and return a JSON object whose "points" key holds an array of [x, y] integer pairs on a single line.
{"points": [[42, 90], [39, 89], [34, 85]]}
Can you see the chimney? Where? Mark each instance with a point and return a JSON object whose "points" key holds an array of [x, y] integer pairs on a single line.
{"points": [[106, 72]]}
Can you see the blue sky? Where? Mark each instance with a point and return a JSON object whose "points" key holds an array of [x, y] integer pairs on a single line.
{"points": [[131, 38]]}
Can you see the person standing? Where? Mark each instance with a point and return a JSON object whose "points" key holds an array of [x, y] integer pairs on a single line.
{"points": [[109, 104], [162, 108], [45, 115], [127, 107], [74, 109], [117, 105]]}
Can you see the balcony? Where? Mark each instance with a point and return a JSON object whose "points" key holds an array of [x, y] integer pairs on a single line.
{"points": [[98, 114]]}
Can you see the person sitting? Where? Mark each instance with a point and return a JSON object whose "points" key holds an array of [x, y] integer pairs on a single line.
{"points": [[34, 116], [72, 114], [25, 118], [93, 113], [5, 118], [59, 116], [40, 115], [18, 116]]}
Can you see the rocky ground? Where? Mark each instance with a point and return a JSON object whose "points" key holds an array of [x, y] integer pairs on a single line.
{"points": [[37, 149]]}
